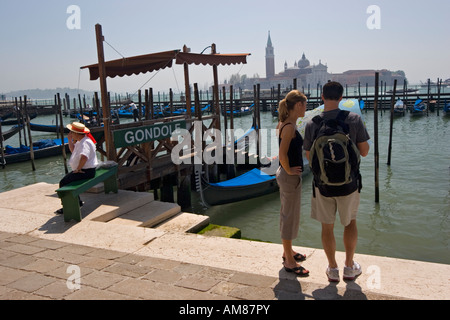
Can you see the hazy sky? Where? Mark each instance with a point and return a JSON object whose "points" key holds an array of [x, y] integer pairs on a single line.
{"points": [[39, 50]]}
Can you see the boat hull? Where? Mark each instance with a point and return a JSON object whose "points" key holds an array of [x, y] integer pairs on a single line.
{"points": [[215, 195], [11, 132], [46, 128], [52, 151], [15, 121]]}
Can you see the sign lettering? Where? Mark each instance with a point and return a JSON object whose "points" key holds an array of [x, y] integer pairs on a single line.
{"points": [[133, 136]]}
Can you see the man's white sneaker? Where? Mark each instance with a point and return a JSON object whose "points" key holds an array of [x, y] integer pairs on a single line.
{"points": [[353, 272], [333, 274]]}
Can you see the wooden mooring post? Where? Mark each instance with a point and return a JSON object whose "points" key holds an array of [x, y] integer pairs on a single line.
{"points": [[375, 128], [230, 167], [110, 150], [438, 105], [27, 119], [184, 191], [20, 122], [391, 122], [1, 147], [61, 130], [428, 96]]}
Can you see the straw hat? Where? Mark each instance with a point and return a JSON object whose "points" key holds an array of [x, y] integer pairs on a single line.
{"points": [[78, 127]]}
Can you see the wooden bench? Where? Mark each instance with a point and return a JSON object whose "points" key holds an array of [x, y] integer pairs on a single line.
{"points": [[69, 193]]}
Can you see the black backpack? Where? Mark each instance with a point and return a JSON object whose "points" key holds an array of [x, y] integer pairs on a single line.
{"points": [[335, 158]]}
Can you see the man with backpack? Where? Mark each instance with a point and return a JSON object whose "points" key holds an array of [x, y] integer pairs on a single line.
{"points": [[334, 142]]}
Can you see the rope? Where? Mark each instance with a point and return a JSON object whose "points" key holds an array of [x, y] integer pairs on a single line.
{"points": [[240, 69], [173, 71], [79, 76], [198, 184], [148, 79], [114, 49], [151, 78]]}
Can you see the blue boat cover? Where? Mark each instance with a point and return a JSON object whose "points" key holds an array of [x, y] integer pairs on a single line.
{"points": [[41, 144], [254, 176]]}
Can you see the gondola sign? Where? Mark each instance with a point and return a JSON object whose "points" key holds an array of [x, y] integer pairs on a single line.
{"points": [[133, 136]]}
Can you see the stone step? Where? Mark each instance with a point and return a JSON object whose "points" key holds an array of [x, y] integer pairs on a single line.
{"points": [[221, 231], [105, 207], [41, 198], [184, 222], [99, 188], [148, 215]]}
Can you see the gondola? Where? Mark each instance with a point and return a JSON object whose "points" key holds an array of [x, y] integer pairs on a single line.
{"points": [[274, 112], [41, 149], [419, 108], [181, 111], [399, 108], [257, 182], [251, 184], [446, 109], [14, 121], [158, 112], [6, 116], [47, 128], [242, 111], [11, 132]]}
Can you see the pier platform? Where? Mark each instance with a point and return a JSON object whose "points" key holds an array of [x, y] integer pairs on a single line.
{"points": [[129, 246]]}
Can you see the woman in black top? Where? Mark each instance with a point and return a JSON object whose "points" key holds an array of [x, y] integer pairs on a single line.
{"points": [[289, 177]]}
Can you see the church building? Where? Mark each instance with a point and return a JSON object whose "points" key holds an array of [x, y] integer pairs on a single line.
{"points": [[302, 70]]}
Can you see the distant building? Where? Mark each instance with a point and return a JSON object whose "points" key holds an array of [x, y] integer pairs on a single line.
{"points": [[270, 59], [314, 75], [353, 77], [303, 71]]}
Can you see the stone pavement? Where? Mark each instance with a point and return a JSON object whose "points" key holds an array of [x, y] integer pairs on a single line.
{"points": [[40, 269], [121, 250]]}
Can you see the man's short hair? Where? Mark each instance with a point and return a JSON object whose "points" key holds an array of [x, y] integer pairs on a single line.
{"points": [[333, 91]]}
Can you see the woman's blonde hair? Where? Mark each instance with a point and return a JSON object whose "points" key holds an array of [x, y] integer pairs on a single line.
{"points": [[288, 103]]}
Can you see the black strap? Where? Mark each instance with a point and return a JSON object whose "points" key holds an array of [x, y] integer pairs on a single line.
{"points": [[342, 115], [283, 128], [317, 120], [313, 189]]}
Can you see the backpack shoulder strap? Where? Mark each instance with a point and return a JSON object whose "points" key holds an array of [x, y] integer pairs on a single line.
{"points": [[317, 119], [342, 115]]}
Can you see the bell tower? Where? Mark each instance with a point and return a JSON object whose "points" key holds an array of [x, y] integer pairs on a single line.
{"points": [[270, 59]]}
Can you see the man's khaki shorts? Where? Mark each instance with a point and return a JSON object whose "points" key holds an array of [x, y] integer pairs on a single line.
{"points": [[323, 209]]}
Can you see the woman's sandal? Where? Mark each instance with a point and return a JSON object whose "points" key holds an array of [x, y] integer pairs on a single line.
{"points": [[299, 271], [298, 257]]}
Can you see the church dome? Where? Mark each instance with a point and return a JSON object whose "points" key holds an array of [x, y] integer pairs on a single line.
{"points": [[303, 63]]}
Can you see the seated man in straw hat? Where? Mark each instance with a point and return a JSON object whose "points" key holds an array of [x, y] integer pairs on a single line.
{"points": [[83, 160]]}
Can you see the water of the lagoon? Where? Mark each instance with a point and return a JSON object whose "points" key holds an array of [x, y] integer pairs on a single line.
{"points": [[411, 221]]}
